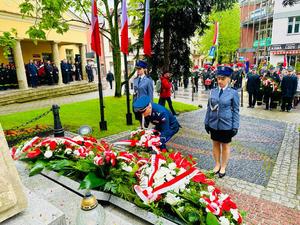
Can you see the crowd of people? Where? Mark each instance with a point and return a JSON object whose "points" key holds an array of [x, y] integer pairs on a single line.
{"points": [[8, 77], [266, 84]]}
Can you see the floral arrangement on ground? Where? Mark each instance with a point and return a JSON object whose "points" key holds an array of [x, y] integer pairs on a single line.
{"points": [[165, 183]]}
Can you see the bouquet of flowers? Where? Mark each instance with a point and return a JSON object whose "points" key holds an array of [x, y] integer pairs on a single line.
{"points": [[166, 183], [143, 140]]}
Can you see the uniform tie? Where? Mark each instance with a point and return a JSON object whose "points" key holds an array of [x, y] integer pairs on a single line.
{"points": [[221, 92], [139, 81]]}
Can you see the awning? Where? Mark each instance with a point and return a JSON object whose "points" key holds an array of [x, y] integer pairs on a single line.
{"points": [[289, 52]]}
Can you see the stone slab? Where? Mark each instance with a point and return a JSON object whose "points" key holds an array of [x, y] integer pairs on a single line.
{"points": [[39, 212]]}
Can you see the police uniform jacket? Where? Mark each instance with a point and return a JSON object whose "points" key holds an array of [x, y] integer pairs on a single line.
{"points": [[143, 86], [289, 86], [32, 69], [164, 122], [223, 112], [253, 83]]}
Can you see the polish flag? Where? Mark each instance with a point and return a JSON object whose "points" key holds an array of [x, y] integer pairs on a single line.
{"points": [[95, 37], [147, 33], [284, 61], [124, 29], [216, 35]]}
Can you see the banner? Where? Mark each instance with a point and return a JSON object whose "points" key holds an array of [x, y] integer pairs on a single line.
{"points": [[212, 51]]}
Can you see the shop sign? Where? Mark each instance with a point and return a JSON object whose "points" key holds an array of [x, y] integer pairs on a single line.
{"points": [[262, 42], [289, 46], [258, 13]]}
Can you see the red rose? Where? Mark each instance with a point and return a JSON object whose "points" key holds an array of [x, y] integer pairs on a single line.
{"points": [[34, 153]]}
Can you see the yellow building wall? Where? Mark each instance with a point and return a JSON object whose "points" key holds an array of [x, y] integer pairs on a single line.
{"points": [[10, 17], [62, 51], [32, 51], [2, 58]]}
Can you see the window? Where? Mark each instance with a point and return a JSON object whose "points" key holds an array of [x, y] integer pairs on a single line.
{"points": [[69, 54], [294, 25]]}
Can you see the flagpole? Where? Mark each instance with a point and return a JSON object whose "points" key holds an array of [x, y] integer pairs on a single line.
{"points": [[128, 115], [102, 123]]}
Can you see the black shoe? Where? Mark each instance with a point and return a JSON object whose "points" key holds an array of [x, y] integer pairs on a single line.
{"points": [[217, 171], [222, 175]]}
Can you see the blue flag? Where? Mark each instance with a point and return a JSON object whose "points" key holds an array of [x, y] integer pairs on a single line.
{"points": [[212, 51]]}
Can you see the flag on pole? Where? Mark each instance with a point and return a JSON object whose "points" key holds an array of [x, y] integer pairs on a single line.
{"points": [[284, 61], [147, 33], [216, 35], [95, 39], [124, 29]]}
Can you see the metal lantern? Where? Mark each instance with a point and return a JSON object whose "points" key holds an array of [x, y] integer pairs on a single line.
{"points": [[90, 212]]}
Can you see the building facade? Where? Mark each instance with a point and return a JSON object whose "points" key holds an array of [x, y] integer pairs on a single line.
{"points": [[256, 29], [71, 45], [286, 35]]}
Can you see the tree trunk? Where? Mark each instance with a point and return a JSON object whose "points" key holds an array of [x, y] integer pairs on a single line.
{"points": [[166, 47]]}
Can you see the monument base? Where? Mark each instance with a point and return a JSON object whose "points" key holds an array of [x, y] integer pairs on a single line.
{"points": [[39, 212]]}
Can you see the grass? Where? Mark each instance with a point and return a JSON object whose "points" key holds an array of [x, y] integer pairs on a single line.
{"points": [[86, 113]]}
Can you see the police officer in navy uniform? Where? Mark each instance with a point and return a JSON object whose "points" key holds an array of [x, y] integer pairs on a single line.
{"points": [[159, 116], [222, 118], [253, 85], [142, 84], [288, 88]]}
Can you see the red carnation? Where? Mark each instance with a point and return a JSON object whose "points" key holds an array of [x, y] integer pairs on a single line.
{"points": [[52, 145]]}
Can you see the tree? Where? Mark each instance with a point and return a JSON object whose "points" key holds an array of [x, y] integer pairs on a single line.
{"points": [[229, 34], [173, 23], [49, 15]]}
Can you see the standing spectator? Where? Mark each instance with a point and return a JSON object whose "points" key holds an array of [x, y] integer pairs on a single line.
{"points": [[89, 71], [195, 79], [49, 73], [288, 89], [110, 78], [253, 85], [65, 71], [33, 74], [2, 77], [222, 118], [71, 71], [165, 91], [55, 74], [78, 74], [297, 96], [236, 78], [142, 85], [267, 87]]}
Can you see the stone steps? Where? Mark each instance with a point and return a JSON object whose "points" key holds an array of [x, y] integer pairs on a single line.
{"points": [[45, 92]]}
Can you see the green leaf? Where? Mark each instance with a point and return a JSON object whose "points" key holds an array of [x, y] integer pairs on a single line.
{"points": [[60, 164], [92, 181], [193, 217], [37, 168], [211, 219]]}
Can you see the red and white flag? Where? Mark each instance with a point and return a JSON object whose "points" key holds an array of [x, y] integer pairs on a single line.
{"points": [[147, 32], [95, 39], [124, 29], [216, 35], [284, 61]]}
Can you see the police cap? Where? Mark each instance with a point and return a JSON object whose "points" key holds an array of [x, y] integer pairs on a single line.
{"points": [[224, 71], [141, 103], [141, 64]]}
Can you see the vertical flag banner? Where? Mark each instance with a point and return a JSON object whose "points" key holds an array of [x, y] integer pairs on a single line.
{"points": [[95, 39], [212, 52], [216, 35], [147, 33], [124, 29], [284, 61]]}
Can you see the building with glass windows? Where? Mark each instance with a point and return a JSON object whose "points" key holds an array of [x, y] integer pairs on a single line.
{"points": [[286, 35], [256, 29]]}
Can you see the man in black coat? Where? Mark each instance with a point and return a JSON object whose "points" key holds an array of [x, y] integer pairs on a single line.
{"points": [[49, 72], [253, 85], [65, 71], [110, 78], [89, 71], [288, 89]]}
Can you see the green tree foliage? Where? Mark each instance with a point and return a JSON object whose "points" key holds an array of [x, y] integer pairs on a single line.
{"points": [[7, 42], [229, 34], [173, 23]]}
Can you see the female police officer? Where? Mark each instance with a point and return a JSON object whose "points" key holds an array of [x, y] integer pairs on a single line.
{"points": [[222, 118]]}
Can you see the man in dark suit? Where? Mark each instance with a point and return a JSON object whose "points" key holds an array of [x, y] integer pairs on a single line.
{"points": [[288, 88], [65, 71], [89, 71], [110, 78], [253, 85], [33, 73]]}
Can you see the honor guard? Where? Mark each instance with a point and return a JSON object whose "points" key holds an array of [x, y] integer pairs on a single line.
{"points": [[159, 116]]}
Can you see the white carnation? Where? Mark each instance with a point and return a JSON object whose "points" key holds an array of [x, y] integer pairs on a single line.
{"points": [[235, 214], [68, 151], [48, 154], [78, 138], [172, 166], [169, 177], [224, 221], [210, 188], [182, 170], [172, 199]]}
